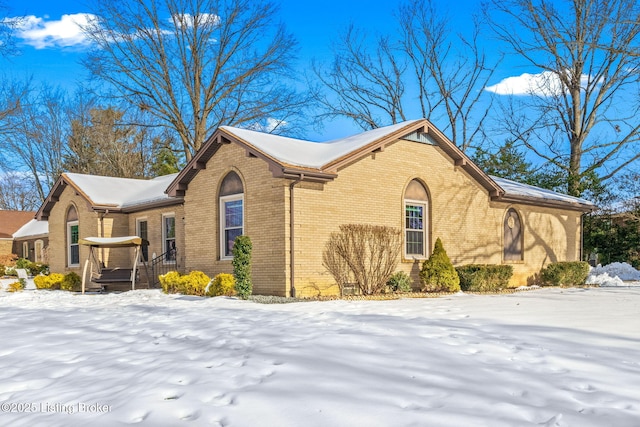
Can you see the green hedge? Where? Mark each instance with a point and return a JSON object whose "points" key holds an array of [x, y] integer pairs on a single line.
{"points": [[568, 273], [484, 277]]}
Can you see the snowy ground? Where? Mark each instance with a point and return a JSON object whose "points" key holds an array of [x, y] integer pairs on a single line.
{"points": [[547, 357]]}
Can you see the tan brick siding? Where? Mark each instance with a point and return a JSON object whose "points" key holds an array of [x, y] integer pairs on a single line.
{"points": [[371, 191], [264, 218]]}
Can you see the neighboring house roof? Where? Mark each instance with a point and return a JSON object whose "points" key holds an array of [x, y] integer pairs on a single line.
{"points": [[111, 193], [11, 221], [321, 161], [33, 228]]}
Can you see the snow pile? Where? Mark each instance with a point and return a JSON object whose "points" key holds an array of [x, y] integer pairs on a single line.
{"points": [[550, 357], [614, 274]]}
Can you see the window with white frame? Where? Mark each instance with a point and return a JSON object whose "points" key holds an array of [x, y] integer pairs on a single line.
{"points": [[231, 213], [25, 250], [415, 220], [169, 238], [73, 234]]}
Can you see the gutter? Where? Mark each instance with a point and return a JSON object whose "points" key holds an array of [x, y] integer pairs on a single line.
{"points": [[292, 256]]}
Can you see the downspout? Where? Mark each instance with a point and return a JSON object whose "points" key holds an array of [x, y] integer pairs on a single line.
{"points": [[292, 257]]}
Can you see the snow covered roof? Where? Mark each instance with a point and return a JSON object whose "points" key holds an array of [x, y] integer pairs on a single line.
{"points": [[32, 228], [309, 154], [121, 192], [106, 192], [519, 190]]}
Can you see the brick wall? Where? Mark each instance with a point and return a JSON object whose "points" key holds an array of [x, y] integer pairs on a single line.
{"points": [[264, 218], [371, 191]]}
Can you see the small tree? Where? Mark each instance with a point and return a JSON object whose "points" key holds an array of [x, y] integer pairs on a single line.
{"points": [[242, 266], [366, 253], [438, 274]]}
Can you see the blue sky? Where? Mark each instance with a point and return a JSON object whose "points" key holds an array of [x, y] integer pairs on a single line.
{"points": [[51, 44]]}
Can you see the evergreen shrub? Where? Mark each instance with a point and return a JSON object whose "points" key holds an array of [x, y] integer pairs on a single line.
{"points": [[437, 273], [484, 277], [567, 273], [71, 282], [222, 284], [242, 266], [52, 281], [399, 282]]}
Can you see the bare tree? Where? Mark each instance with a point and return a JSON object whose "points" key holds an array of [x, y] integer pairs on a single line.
{"points": [[7, 26], [196, 64], [366, 87], [17, 192], [446, 73], [33, 134], [451, 71], [583, 115]]}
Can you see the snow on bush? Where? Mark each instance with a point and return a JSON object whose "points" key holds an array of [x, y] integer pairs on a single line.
{"points": [[613, 274]]}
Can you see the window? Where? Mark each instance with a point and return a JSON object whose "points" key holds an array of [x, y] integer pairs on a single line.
{"points": [[141, 231], [38, 255], [231, 213], [169, 238], [415, 220], [512, 236], [25, 250], [73, 236], [74, 248]]}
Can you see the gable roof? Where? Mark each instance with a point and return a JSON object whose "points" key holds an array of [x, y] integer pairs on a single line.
{"points": [[112, 193], [11, 221], [320, 161]]}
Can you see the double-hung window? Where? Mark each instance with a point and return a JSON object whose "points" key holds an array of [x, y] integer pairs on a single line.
{"points": [[231, 213], [73, 236], [416, 217]]}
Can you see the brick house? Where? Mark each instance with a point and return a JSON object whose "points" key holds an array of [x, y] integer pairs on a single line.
{"points": [[10, 222], [31, 241], [288, 195]]}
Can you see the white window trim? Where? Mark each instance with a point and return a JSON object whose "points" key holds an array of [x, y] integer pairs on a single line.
{"points": [[69, 225], [25, 250], [164, 234], [425, 227], [222, 222]]}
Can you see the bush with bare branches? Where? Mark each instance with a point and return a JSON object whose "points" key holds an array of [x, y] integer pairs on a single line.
{"points": [[366, 255]]}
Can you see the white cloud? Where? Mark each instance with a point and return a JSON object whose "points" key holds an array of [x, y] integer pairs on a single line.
{"points": [[43, 33], [546, 83]]}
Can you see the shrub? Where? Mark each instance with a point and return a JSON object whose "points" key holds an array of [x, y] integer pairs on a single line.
{"points": [[399, 282], [242, 266], [193, 283], [52, 281], [437, 273], [484, 277], [366, 254], [16, 286], [568, 273], [71, 282], [170, 282], [222, 284]]}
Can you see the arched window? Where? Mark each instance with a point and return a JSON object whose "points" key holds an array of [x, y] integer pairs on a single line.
{"points": [[512, 236], [231, 213], [416, 201], [73, 235]]}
